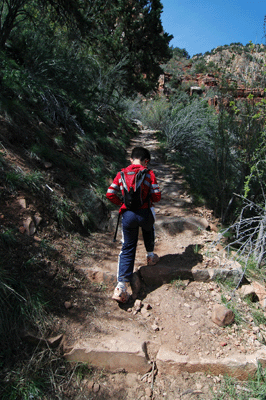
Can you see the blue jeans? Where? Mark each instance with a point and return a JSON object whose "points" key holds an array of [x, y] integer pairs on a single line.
{"points": [[131, 221]]}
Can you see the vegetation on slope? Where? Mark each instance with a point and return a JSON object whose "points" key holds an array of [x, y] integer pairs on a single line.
{"points": [[220, 144]]}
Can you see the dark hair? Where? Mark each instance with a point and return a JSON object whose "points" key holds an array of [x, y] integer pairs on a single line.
{"points": [[140, 153]]}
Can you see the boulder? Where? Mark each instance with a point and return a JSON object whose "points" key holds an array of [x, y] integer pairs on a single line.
{"points": [[222, 316]]}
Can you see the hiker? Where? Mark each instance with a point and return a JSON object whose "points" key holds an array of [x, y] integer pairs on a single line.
{"points": [[136, 209]]}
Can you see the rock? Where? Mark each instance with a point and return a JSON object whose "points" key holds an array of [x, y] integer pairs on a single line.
{"points": [[222, 316], [260, 292], [155, 327], [161, 274], [145, 312], [122, 352], [213, 227], [199, 386], [98, 276], [90, 385], [195, 89], [29, 226], [228, 270], [147, 306], [247, 291], [96, 387], [175, 225], [22, 202], [242, 366], [148, 392], [200, 222], [135, 285], [67, 305], [37, 219], [138, 305], [47, 164], [219, 247]]}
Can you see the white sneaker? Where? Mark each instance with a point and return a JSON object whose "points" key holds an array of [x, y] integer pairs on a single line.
{"points": [[120, 295]]}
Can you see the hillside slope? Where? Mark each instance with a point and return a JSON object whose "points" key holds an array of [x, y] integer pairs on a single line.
{"points": [[235, 64]]}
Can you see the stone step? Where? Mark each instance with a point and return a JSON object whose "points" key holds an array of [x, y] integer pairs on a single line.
{"points": [[129, 354], [168, 270], [179, 266], [239, 366], [170, 225], [125, 352], [175, 225]]}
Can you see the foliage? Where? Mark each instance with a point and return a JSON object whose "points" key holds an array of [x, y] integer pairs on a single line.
{"points": [[115, 33], [249, 229], [191, 135], [137, 33], [249, 233], [155, 113], [44, 376], [14, 13], [199, 67], [18, 307], [254, 387], [215, 149]]}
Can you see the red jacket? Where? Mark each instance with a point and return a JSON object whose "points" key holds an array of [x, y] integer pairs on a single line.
{"points": [[150, 186]]}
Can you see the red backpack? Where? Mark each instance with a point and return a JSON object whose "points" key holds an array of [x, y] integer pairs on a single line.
{"points": [[133, 188]]}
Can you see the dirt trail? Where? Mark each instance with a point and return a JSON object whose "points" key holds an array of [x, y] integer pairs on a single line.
{"points": [[176, 315]]}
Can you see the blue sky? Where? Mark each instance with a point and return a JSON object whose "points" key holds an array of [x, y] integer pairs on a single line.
{"points": [[202, 25]]}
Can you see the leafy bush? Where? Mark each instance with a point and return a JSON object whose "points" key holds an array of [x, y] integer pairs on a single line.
{"points": [[154, 113], [199, 67]]}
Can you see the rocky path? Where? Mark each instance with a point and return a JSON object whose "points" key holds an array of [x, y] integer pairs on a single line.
{"points": [[163, 344]]}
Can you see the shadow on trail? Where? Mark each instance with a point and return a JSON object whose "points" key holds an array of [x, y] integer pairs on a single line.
{"points": [[170, 268]]}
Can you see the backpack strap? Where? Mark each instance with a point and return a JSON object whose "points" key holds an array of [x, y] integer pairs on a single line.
{"points": [[124, 184]]}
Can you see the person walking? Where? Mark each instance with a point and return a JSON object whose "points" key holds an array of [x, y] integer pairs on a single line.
{"points": [[135, 214]]}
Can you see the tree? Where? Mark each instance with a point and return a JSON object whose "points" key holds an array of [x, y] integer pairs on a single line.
{"points": [[117, 32], [132, 30], [14, 12], [178, 53]]}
